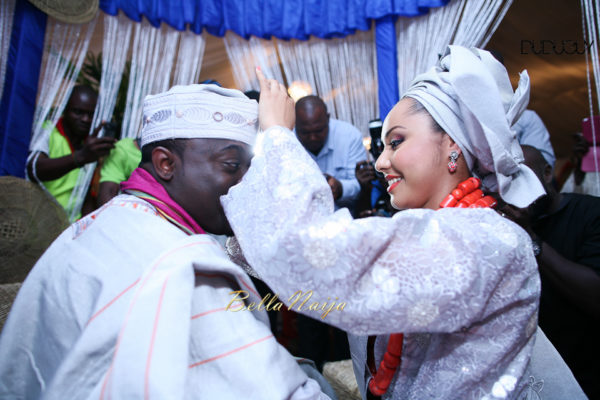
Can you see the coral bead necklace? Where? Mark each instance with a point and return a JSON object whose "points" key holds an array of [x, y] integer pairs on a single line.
{"points": [[466, 195]]}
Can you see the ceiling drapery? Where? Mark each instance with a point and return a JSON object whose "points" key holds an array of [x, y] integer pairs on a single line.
{"points": [[290, 19]]}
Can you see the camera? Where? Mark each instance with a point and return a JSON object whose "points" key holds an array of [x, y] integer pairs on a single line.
{"points": [[375, 126], [110, 130]]}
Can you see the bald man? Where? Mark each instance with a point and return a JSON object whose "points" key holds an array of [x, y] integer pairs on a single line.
{"points": [[335, 145]]}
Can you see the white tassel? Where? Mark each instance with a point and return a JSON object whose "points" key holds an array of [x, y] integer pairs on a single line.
{"points": [[422, 39], [342, 72], [7, 13], [65, 49], [590, 11], [246, 55]]}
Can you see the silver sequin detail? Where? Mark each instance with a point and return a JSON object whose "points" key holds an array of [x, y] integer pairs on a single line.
{"points": [[423, 313]]}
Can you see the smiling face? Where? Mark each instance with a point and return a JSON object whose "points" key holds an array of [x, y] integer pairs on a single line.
{"points": [[205, 172], [415, 158]]}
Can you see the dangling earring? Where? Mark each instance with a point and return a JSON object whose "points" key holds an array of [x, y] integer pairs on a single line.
{"points": [[452, 163]]}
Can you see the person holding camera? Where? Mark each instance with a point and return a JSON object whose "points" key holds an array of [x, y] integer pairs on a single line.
{"points": [[56, 163], [336, 146], [373, 199]]}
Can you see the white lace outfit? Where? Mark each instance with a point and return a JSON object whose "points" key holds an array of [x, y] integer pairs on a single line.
{"points": [[462, 284]]}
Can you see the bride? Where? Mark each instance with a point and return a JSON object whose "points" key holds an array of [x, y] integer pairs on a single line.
{"points": [[449, 288]]}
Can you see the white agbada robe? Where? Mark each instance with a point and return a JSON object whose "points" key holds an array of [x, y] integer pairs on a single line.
{"points": [[462, 284], [125, 305]]}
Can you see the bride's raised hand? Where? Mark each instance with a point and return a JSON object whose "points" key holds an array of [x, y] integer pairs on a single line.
{"points": [[275, 107]]}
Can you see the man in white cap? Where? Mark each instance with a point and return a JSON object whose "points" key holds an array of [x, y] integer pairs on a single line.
{"points": [[132, 300]]}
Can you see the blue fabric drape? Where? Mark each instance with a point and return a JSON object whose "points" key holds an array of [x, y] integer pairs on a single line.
{"points": [[289, 19], [284, 19], [387, 64], [20, 87]]}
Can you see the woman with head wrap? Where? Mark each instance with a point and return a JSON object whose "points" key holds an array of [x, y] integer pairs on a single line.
{"points": [[460, 284]]}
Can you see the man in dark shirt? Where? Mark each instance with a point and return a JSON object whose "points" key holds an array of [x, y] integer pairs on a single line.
{"points": [[566, 229]]}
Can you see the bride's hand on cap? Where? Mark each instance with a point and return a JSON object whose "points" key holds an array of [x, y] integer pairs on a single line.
{"points": [[275, 107]]}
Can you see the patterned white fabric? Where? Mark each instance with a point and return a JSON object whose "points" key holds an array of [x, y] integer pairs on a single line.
{"points": [[199, 111], [461, 284], [125, 305]]}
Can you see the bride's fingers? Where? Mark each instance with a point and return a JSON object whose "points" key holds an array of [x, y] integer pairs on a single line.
{"points": [[271, 85], [262, 81]]}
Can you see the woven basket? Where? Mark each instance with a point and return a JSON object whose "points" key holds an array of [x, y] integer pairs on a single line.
{"points": [[340, 375], [30, 219], [69, 11], [8, 293]]}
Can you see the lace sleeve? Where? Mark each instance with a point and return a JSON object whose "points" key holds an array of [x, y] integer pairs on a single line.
{"points": [[423, 270]]}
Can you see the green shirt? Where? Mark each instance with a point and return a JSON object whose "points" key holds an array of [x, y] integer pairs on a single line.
{"points": [[61, 188], [121, 161]]}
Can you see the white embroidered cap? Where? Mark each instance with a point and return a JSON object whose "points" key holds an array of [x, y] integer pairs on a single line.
{"points": [[199, 111]]}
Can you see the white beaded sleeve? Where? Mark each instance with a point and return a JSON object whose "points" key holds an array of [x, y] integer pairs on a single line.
{"points": [[421, 271]]}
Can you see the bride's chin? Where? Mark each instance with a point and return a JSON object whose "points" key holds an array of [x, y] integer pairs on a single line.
{"points": [[398, 205]]}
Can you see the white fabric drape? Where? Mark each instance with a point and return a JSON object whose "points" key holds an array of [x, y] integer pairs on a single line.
{"points": [[116, 30], [151, 65], [342, 72], [66, 46], [246, 55], [590, 10], [189, 58], [421, 39], [7, 12], [65, 49]]}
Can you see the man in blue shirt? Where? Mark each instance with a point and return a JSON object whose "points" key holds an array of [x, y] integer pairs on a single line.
{"points": [[531, 131], [335, 145]]}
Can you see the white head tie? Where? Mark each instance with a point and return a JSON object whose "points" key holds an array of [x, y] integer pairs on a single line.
{"points": [[470, 96], [199, 111]]}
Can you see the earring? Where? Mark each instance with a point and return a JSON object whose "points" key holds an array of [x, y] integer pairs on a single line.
{"points": [[452, 163]]}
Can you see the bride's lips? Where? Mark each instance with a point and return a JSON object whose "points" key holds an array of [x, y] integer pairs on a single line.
{"points": [[392, 181]]}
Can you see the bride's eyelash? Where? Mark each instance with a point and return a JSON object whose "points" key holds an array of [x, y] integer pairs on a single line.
{"points": [[395, 143]]}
